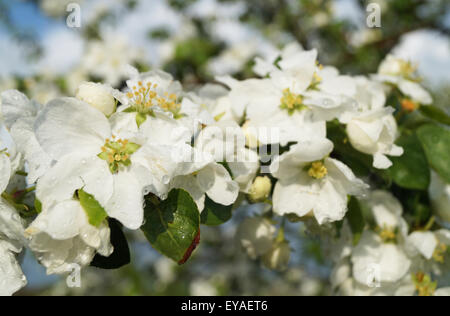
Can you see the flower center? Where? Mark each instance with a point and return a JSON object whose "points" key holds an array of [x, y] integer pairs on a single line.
{"points": [[144, 97], [439, 252], [117, 153], [424, 285], [292, 102], [407, 69], [317, 170], [387, 234]]}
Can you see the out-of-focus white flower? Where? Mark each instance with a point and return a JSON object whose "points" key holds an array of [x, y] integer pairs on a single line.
{"points": [[109, 59], [402, 74], [278, 257], [97, 95], [56, 8], [233, 59], [202, 288], [42, 90], [374, 260], [365, 36], [380, 256], [256, 235], [430, 244], [310, 181], [439, 193]]}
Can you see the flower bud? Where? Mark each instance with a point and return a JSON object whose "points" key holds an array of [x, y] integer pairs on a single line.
{"points": [[251, 139], [278, 257], [256, 236], [97, 95], [367, 136], [260, 189]]}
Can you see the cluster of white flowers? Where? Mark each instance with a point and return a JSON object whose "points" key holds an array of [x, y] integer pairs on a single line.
{"points": [[390, 258], [112, 148]]}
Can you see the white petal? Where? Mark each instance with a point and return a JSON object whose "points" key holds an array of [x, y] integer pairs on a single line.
{"points": [[415, 91], [38, 161], [11, 276], [331, 205], [60, 221], [245, 169], [373, 259], [215, 180], [380, 161], [424, 242], [68, 126], [165, 130], [190, 185], [444, 291], [11, 224], [299, 154], [5, 172], [126, 204], [295, 197], [15, 105], [72, 173], [341, 173]]}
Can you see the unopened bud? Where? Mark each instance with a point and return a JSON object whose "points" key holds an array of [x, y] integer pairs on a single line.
{"points": [[97, 95], [260, 189]]}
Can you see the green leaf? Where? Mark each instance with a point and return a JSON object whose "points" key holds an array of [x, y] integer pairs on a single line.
{"points": [[95, 212], [410, 170], [215, 214], [436, 114], [140, 119], [121, 255], [436, 143], [38, 206], [355, 219], [173, 226]]}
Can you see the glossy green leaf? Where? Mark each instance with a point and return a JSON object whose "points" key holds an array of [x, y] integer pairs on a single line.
{"points": [[410, 170], [121, 255], [95, 212], [173, 226], [215, 214], [436, 143]]}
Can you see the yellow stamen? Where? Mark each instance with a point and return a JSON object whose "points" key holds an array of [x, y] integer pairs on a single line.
{"points": [[439, 252], [317, 170]]}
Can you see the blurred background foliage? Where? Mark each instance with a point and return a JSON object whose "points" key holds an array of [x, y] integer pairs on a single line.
{"points": [[210, 38]]}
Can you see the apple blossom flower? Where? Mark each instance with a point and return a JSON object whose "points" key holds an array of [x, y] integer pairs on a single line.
{"points": [[402, 74], [310, 181]]}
